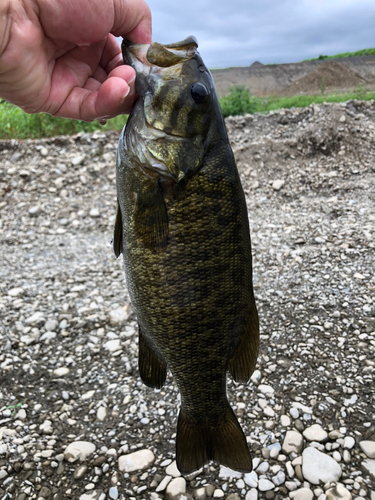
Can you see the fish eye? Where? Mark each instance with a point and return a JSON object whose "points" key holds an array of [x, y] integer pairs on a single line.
{"points": [[198, 92]]}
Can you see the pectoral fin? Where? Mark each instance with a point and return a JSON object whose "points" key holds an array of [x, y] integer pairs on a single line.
{"points": [[151, 219], [117, 237], [152, 369], [241, 365]]}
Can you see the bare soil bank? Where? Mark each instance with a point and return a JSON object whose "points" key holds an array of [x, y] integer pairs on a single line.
{"points": [[273, 79]]}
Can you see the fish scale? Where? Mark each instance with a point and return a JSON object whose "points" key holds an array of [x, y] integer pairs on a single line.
{"points": [[184, 233]]}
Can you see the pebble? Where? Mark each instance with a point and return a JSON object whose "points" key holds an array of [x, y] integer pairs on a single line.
{"points": [[285, 420], [118, 315], [277, 184], [172, 470], [51, 325], [252, 494], [369, 466], [101, 413], [279, 479], [315, 433], [368, 448], [176, 487], [113, 493], [113, 345], [265, 485], [78, 450], [338, 492], [78, 160], [163, 484], [349, 442], [251, 479], [227, 473], [317, 466], [302, 494], [80, 471], [293, 442], [139, 460], [62, 371]]}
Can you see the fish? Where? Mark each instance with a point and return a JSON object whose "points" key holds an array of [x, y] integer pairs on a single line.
{"points": [[183, 230]]}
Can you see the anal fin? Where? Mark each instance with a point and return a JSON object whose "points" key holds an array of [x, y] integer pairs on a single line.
{"points": [[241, 365], [117, 236], [152, 369], [223, 442]]}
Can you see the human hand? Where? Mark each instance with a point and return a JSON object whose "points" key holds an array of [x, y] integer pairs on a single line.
{"points": [[62, 57]]}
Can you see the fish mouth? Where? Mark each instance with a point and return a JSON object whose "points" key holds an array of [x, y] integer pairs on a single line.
{"points": [[158, 58]]}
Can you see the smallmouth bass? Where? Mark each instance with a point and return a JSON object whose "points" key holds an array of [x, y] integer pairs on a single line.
{"points": [[183, 229]]}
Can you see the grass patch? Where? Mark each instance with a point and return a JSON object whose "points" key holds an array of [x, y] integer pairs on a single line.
{"points": [[363, 52], [239, 101], [16, 124]]}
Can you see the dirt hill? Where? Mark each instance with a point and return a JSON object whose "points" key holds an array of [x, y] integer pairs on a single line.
{"points": [[329, 76], [272, 79]]}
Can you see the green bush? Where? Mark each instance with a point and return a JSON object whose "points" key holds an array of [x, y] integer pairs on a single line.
{"points": [[363, 52], [239, 101], [15, 123]]}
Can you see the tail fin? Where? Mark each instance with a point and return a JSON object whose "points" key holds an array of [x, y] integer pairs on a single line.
{"points": [[224, 443]]}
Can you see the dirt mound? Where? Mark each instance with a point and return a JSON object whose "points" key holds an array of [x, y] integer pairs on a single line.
{"points": [[328, 76]]}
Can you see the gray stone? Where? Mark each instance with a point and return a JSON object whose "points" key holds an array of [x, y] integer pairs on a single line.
{"points": [[317, 466], [138, 460], [315, 433], [339, 492], [293, 442], [368, 448]]}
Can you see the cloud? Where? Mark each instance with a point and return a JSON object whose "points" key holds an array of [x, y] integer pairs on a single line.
{"points": [[238, 32]]}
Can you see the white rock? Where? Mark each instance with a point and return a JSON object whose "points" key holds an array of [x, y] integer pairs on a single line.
{"points": [[302, 494], [218, 493], [119, 315], [291, 485], [101, 413], [349, 442], [252, 494], [339, 492], [77, 160], [51, 325], [279, 479], [294, 413], [21, 414], [3, 473], [268, 411], [94, 212], [266, 389], [14, 292], [317, 466], [285, 421], [256, 377], [293, 442], [112, 345], [61, 372], [35, 319], [278, 184], [172, 470], [251, 479], [315, 433], [163, 484], [138, 460], [176, 487], [78, 450], [227, 473], [369, 466], [113, 493], [265, 485], [368, 448]]}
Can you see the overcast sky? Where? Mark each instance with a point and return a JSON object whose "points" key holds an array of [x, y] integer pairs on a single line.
{"points": [[239, 32]]}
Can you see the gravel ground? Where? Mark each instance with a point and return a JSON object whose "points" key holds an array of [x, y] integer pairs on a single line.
{"points": [[76, 421]]}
